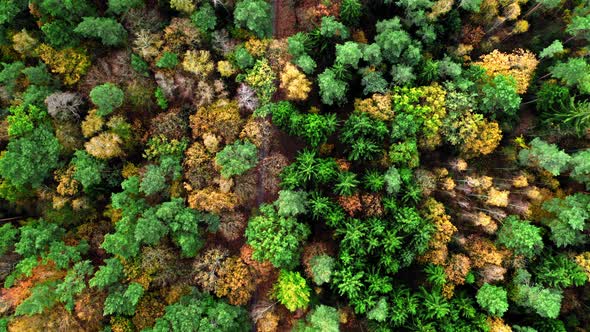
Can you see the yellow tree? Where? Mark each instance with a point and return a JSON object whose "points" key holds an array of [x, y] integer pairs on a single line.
{"points": [[520, 64], [294, 83]]}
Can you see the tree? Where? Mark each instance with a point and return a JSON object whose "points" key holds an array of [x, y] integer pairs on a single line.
{"points": [[322, 267], [123, 301], [168, 60], [123, 6], [545, 156], [348, 54], [560, 271], [545, 302], [291, 203], [237, 158], [185, 6], [204, 18], [254, 15], [108, 274], [350, 11], [109, 31], [276, 238], [392, 181], [321, 318], [331, 28], [64, 106], [569, 218], [203, 313], [520, 236], [88, 170], [494, 299], [107, 97], [550, 51], [580, 167], [520, 65], [29, 159], [500, 95], [292, 290], [74, 283], [294, 83], [23, 119], [69, 62], [8, 235], [574, 73]]}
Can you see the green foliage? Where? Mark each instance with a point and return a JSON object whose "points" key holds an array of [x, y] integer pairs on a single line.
{"points": [[550, 51], [254, 15], [168, 60], [374, 180], [309, 169], [364, 136], [237, 158], [570, 218], [73, 284], [122, 6], [203, 313], [10, 9], [108, 274], [435, 274], [43, 296], [374, 82], [493, 299], [292, 290], [521, 237], [314, 128], [580, 167], [60, 34], [321, 268], [140, 65], [545, 302], [552, 98], [23, 119], [276, 238], [348, 54], [107, 97], [109, 31], [8, 235], [291, 203], [574, 73], [500, 95], [571, 115], [559, 271], [332, 90], [392, 181], [346, 184], [306, 63], [123, 302], [395, 43], [350, 11], [29, 159], [89, 170], [372, 54], [321, 318], [405, 153], [161, 98], [297, 44], [204, 18], [331, 28], [579, 27], [38, 75], [9, 75], [243, 58], [544, 155], [157, 177]]}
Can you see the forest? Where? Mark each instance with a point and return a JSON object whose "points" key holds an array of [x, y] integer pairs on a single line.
{"points": [[295, 165]]}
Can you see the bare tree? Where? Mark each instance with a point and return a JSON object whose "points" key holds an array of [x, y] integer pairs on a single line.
{"points": [[64, 106]]}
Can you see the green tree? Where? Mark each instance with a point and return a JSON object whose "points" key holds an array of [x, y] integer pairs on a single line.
{"points": [[237, 158], [291, 290], [43, 296], [168, 60], [348, 54], [392, 181], [60, 34], [29, 159], [23, 119], [580, 167], [322, 267], [108, 274], [521, 237], [321, 318], [291, 203], [122, 6], [108, 30], [107, 97], [500, 95], [569, 218], [559, 271], [9, 74], [331, 28], [493, 299], [276, 238], [574, 73], [8, 235], [545, 302], [254, 15], [123, 301], [203, 313], [204, 18], [346, 183], [350, 11], [332, 90], [550, 51], [73, 284], [544, 155], [89, 170]]}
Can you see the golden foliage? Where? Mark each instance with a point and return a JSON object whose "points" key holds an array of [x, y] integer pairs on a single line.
{"points": [[485, 222], [67, 185], [212, 200], [235, 281], [378, 106], [583, 260], [221, 118], [457, 268], [497, 197], [520, 64], [198, 63], [294, 82], [24, 43], [478, 135], [225, 68], [71, 63], [256, 47], [496, 324], [105, 146], [181, 35], [268, 322], [483, 251], [92, 124], [521, 26], [444, 230]]}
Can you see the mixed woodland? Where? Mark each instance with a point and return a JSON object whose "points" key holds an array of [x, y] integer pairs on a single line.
{"points": [[295, 165]]}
